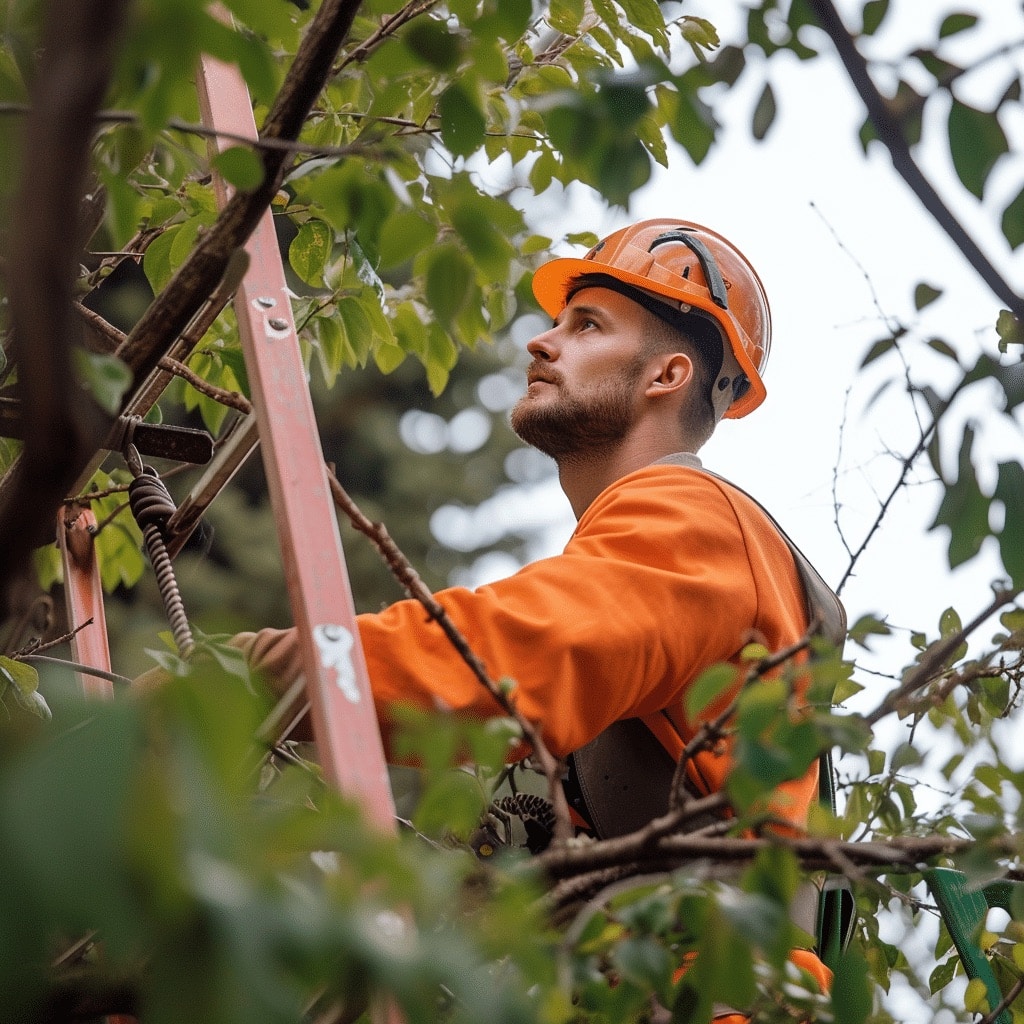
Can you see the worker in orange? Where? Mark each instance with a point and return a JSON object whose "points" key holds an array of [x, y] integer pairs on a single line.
{"points": [[658, 333]]}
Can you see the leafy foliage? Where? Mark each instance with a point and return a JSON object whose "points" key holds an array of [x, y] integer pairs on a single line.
{"points": [[154, 860]]}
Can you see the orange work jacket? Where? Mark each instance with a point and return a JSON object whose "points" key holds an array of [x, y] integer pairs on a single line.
{"points": [[670, 570]]}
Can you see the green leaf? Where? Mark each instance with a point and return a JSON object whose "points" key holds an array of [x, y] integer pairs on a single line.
{"points": [[310, 251], [964, 508], [943, 348], [877, 350], [690, 121], [1010, 491], [388, 357], [764, 113], [449, 277], [925, 295], [942, 975], [240, 166], [873, 16], [404, 235], [954, 23], [21, 680], [700, 33], [1012, 223], [709, 686], [647, 16], [156, 263], [431, 41], [1009, 329], [439, 359], [865, 626], [462, 123], [410, 330], [565, 15], [106, 376], [976, 142], [358, 329]]}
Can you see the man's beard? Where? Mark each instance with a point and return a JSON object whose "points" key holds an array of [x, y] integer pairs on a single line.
{"points": [[579, 427]]}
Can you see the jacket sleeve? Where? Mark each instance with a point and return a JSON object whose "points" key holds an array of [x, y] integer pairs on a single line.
{"points": [[654, 586]]}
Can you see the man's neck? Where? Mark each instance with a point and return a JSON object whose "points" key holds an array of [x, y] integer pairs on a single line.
{"points": [[583, 479]]}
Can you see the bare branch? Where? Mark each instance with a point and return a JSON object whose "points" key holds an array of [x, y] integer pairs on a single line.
{"points": [[908, 462], [890, 133]]}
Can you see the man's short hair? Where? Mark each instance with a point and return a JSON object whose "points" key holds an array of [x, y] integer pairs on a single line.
{"points": [[695, 334]]}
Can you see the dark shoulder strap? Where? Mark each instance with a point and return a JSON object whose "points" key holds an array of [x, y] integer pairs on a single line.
{"points": [[823, 606], [625, 774]]}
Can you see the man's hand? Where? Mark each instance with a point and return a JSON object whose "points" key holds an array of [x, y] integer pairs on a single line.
{"points": [[274, 653]]}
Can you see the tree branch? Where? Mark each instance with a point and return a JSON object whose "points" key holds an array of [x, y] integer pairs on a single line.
{"points": [[908, 462], [63, 427], [935, 657], [890, 133], [198, 276]]}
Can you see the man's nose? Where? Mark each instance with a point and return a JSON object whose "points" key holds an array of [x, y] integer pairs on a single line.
{"points": [[543, 347]]}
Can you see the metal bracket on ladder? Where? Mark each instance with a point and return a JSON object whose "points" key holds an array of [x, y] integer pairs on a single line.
{"points": [[344, 722]]}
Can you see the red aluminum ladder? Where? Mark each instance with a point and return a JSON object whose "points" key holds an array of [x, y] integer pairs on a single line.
{"points": [[344, 721]]}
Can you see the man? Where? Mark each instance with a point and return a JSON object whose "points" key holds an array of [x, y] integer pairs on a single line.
{"points": [[659, 332]]}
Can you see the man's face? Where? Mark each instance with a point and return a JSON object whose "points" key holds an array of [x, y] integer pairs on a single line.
{"points": [[583, 386]]}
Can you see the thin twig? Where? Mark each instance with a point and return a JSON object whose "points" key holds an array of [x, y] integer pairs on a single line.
{"points": [[415, 587], [908, 462], [116, 338], [87, 497], [35, 647], [109, 518], [75, 666], [935, 657], [711, 731], [201, 130], [232, 399], [387, 28]]}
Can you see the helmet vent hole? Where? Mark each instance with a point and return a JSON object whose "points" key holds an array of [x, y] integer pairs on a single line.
{"points": [[724, 383], [686, 272]]}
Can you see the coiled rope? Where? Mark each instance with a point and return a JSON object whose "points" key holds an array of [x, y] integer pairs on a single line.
{"points": [[152, 506]]}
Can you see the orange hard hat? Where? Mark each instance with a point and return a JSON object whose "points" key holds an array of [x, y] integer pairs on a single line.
{"points": [[694, 270]]}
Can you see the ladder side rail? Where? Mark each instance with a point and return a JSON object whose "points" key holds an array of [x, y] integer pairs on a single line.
{"points": [[344, 721]]}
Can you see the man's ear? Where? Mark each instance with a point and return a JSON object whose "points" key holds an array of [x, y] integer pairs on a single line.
{"points": [[672, 372]]}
